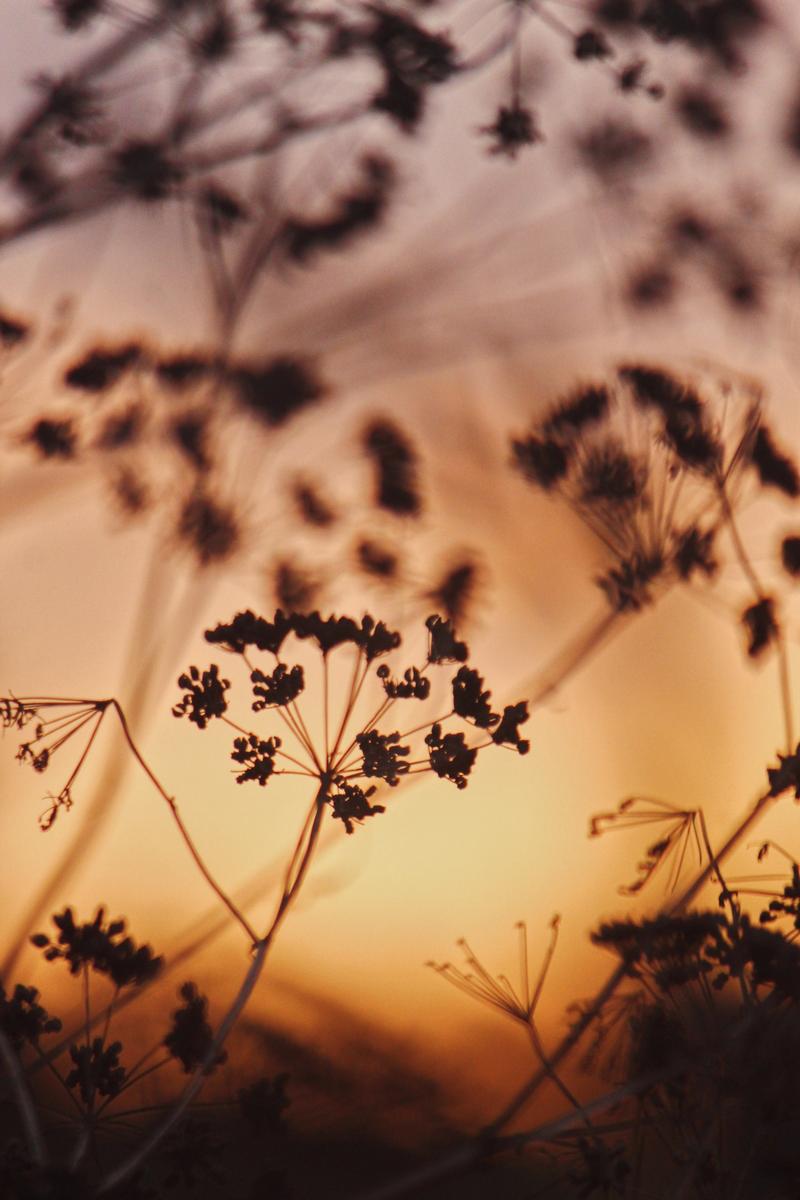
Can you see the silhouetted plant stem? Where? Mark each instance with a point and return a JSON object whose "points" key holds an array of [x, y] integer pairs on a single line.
{"points": [[712, 867], [83, 1143], [556, 1079], [488, 1140], [592, 1011], [46, 1060], [190, 846], [760, 595], [551, 1129], [298, 850], [290, 890], [578, 649], [567, 1043], [205, 933], [356, 684], [487, 1146], [325, 706], [24, 1102], [341, 763], [726, 896], [139, 666]]}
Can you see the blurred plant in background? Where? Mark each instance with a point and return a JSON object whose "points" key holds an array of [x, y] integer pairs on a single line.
{"points": [[352, 753], [294, 144]]}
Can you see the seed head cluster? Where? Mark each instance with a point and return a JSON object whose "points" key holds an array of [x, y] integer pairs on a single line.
{"points": [[652, 462], [360, 749]]}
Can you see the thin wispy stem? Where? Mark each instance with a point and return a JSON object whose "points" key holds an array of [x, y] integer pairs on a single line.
{"points": [[129, 1166], [185, 835], [25, 1103]]}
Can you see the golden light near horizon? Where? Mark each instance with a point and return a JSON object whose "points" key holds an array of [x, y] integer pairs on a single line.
{"points": [[492, 291]]}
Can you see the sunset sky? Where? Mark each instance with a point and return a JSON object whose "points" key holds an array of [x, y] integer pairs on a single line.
{"points": [[493, 287]]}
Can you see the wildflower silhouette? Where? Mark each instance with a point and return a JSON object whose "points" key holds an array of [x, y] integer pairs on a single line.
{"points": [[499, 993], [681, 828], [191, 1035], [96, 1075], [357, 753], [395, 469], [655, 464], [518, 1003], [656, 469], [50, 733], [658, 490], [348, 753], [74, 151], [644, 462], [375, 552], [686, 1058]]}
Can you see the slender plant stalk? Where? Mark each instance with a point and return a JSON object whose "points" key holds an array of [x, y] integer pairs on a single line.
{"points": [[591, 638], [291, 888], [24, 1102], [101, 807], [760, 595], [184, 832], [472, 1152]]}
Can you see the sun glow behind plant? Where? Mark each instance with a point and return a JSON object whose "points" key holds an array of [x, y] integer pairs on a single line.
{"points": [[383, 393]]}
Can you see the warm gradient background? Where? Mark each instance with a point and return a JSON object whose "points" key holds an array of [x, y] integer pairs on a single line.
{"points": [[494, 286]]}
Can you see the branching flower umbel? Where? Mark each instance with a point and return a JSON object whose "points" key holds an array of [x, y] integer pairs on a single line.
{"points": [[652, 462], [678, 828], [357, 744], [54, 722]]}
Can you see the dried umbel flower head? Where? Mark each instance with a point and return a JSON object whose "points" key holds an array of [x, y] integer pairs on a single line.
{"points": [[377, 560], [312, 507], [54, 722], [158, 425], [652, 462], [101, 368], [678, 828], [105, 948], [52, 437], [359, 747], [295, 586], [190, 1037], [23, 1019], [498, 992]]}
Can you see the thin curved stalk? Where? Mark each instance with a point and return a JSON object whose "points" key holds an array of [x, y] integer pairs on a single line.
{"points": [[591, 638], [98, 813], [184, 832], [472, 1152], [291, 888]]}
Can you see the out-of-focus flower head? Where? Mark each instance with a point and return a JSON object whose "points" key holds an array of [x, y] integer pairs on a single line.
{"points": [[651, 461]]}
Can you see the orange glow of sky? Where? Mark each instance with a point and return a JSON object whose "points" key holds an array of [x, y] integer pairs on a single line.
{"points": [[669, 708]]}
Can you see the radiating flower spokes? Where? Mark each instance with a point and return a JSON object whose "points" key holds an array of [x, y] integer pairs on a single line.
{"points": [[652, 462], [498, 992], [353, 756], [353, 750], [680, 829], [57, 721]]}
